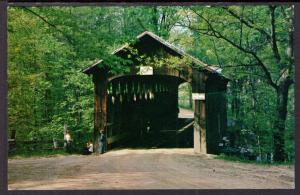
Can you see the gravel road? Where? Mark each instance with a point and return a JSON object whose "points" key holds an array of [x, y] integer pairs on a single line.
{"points": [[143, 169]]}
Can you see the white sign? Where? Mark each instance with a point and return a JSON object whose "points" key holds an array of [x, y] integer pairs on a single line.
{"points": [[198, 96], [146, 70]]}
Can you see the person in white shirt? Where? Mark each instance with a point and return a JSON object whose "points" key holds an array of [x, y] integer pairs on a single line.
{"points": [[68, 137], [68, 141], [90, 147]]}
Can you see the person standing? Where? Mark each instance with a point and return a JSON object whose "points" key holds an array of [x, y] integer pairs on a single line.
{"points": [[68, 140], [101, 142]]}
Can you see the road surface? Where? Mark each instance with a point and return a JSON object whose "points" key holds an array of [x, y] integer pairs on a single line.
{"points": [[143, 169], [185, 113]]}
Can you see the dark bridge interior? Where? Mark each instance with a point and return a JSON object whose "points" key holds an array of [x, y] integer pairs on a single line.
{"points": [[142, 111]]}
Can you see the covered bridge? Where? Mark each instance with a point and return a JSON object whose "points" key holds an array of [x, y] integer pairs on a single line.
{"points": [[142, 101]]}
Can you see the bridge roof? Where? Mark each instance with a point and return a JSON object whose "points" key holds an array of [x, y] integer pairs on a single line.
{"points": [[145, 39]]}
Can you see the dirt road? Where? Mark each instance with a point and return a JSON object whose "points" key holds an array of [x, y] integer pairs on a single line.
{"points": [[144, 169], [185, 113]]}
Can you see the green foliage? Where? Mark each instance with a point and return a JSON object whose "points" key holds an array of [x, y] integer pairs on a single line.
{"points": [[235, 37], [47, 49], [243, 160], [49, 46], [184, 96], [46, 88]]}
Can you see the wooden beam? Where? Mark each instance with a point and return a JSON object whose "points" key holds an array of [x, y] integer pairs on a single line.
{"points": [[199, 86], [100, 105]]}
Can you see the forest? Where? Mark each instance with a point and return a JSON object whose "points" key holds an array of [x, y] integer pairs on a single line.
{"points": [[48, 47]]}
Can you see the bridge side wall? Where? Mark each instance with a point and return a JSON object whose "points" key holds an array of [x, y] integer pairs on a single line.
{"points": [[216, 114], [100, 107]]}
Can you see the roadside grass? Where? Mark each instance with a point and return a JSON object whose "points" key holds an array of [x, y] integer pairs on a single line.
{"points": [[21, 153], [185, 106], [243, 160]]}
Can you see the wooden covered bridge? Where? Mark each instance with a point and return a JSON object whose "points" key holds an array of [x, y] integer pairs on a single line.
{"points": [[138, 104]]}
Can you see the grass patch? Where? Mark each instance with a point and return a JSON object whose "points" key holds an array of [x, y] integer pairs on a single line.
{"points": [[34, 153], [243, 160], [185, 106]]}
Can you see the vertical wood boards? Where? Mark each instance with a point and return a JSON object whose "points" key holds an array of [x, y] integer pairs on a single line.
{"points": [[100, 106]]}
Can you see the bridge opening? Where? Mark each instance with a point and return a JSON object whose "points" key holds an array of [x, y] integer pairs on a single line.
{"points": [[185, 116], [143, 112]]}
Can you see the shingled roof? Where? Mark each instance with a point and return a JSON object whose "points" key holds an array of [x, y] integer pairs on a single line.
{"points": [[180, 52]]}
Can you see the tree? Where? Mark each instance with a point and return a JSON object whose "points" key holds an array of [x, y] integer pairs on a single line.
{"points": [[262, 38]]}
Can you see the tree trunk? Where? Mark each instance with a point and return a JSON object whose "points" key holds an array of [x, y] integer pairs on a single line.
{"points": [[155, 19], [279, 125]]}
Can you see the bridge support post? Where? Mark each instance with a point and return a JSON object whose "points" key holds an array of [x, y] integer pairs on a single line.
{"points": [[100, 107], [198, 88], [200, 127]]}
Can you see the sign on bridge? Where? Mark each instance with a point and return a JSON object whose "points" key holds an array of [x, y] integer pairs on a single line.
{"points": [[146, 70]]}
